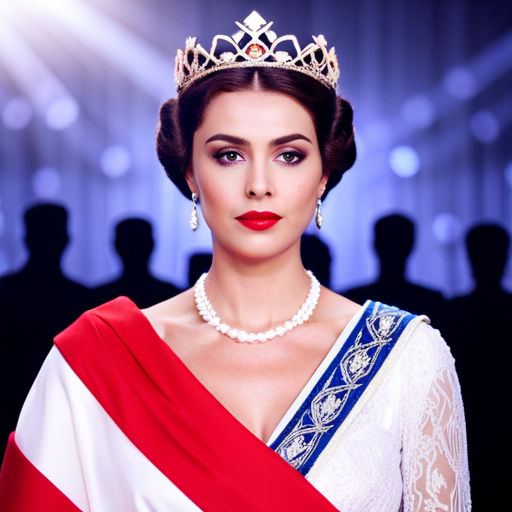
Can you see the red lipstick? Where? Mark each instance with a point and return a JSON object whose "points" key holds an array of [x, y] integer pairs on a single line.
{"points": [[258, 221]]}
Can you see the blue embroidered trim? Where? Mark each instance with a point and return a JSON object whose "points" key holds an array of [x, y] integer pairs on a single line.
{"points": [[340, 387]]}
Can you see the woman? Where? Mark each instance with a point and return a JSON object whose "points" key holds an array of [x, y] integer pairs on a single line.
{"points": [[240, 395]]}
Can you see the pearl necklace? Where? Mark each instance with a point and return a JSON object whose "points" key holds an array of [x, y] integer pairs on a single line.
{"points": [[210, 316]]}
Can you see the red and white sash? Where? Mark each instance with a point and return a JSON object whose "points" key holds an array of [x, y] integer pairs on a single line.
{"points": [[115, 421]]}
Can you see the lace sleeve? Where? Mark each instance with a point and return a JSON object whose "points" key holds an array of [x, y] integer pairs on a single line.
{"points": [[436, 477]]}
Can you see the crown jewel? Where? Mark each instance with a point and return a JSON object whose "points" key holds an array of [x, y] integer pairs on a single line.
{"points": [[255, 45]]}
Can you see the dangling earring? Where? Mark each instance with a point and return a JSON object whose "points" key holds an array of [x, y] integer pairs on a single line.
{"points": [[194, 221], [318, 216]]}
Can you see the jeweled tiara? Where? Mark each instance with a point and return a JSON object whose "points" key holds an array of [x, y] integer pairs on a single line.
{"points": [[255, 45]]}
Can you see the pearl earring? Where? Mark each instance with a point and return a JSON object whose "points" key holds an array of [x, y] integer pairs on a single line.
{"points": [[194, 221], [318, 216]]}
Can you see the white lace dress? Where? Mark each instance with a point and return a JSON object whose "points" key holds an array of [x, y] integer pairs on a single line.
{"points": [[406, 450]]}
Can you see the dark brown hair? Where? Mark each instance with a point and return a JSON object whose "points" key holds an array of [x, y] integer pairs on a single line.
{"points": [[181, 117]]}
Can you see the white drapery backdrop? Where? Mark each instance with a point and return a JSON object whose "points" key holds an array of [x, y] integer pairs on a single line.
{"points": [[431, 83]]}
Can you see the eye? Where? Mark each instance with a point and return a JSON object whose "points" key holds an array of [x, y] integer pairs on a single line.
{"points": [[231, 156], [291, 157], [228, 157]]}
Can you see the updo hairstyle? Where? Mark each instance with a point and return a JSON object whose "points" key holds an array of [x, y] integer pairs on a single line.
{"points": [[181, 117]]}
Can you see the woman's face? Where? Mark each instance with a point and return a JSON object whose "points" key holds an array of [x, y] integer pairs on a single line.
{"points": [[256, 152]]}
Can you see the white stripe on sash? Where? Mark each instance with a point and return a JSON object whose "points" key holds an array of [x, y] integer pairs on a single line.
{"points": [[66, 434]]}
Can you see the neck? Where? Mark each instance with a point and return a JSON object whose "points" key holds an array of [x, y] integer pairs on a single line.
{"points": [[257, 296]]}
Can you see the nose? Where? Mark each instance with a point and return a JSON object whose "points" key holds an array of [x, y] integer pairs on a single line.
{"points": [[259, 181]]}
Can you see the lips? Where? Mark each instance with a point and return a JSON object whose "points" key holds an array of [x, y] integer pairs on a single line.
{"points": [[258, 221]]}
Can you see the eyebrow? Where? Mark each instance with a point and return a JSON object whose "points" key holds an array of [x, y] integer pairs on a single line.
{"points": [[242, 142], [289, 138], [228, 138]]}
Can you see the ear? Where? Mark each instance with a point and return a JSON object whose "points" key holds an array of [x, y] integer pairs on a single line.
{"points": [[323, 184], [190, 178]]}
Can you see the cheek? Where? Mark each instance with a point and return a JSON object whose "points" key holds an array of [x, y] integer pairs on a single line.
{"points": [[302, 195], [204, 178], [210, 202], [214, 197], [302, 200], [309, 186]]}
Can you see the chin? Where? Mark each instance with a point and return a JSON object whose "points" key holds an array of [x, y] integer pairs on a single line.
{"points": [[256, 247]]}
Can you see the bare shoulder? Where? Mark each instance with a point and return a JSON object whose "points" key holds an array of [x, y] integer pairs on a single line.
{"points": [[178, 311], [334, 308]]}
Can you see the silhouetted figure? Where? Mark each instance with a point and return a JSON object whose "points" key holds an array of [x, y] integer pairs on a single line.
{"points": [[480, 337], [36, 303], [198, 264], [394, 240], [317, 258], [134, 243]]}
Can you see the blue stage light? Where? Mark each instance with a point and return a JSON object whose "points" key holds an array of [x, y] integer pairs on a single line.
{"points": [[140, 61], [404, 161], [447, 228], [115, 161], [17, 113], [39, 84], [62, 113], [484, 126]]}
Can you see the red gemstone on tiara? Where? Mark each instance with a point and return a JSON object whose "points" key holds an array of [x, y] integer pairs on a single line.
{"points": [[255, 51]]}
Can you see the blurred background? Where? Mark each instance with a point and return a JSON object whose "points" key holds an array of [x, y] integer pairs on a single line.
{"points": [[81, 82]]}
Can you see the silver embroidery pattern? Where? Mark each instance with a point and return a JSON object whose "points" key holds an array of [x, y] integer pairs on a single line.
{"points": [[407, 442], [329, 403]]}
